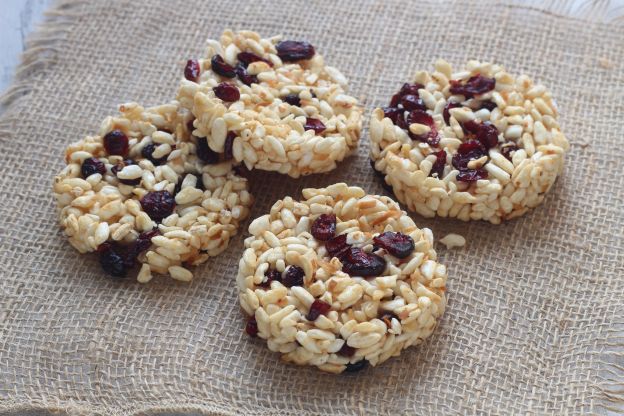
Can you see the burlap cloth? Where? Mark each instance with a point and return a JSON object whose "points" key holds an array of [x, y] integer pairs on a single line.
{"points": [[535, 320]]}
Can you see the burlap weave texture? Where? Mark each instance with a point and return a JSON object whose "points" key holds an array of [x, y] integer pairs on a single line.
{"points": [[535, 320]]}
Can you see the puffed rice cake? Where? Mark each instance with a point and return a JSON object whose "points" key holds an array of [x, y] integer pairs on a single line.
{"points": [[340, 279], [479, 144]]}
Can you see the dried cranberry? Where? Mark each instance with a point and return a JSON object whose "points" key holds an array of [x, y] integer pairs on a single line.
{"points": [[507, 149], [245, 77], [221, 67], [488, 104], [446, 113], [271, 275], [412, 102], [422, 117], [474, 86], [91, 166], [293, 276], [227, 92], [324, 227], [205, 153], [337, 246], [112, 262], [228, 146], [488, 135], [317, 309], [119, 166], [247, 57], [467, 151], [412, 89], [314, 124], [360, 365], [116, 143], [395, 100], [470, 126], [393, 113], [346, 351], [252, 327], [148, 151], [471, 175], [293, 99], [292, 50], [438, 165], [397, 244], [357, 262], [142, 243], [158, 204], [192, 70]]}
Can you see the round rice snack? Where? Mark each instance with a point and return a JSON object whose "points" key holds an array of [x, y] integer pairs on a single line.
{"points": [[273, 105], [478, 144], [340, 280], [138, 192]]}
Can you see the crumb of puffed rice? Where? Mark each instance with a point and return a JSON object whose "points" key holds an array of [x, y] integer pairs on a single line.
{"points": [[453, 240]]}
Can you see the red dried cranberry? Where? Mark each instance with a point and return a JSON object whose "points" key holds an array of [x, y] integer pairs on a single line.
{"points": [[488, 135], [471, 175], [488, 104], [252, 327], [507, 149], [293, 276], [119, 166], [158, 204], [142, 243], [111, 261], [446, 114], [470, 126], [148, 151], [91, 166], [220, 67], [346, 351], [245, 77], [292, 50], [317, 309], [474, 86], [360, 365], [227, 92], [204, 152], [395, 100], [228, 146], [116, 143], [410, 89], [271, 275], [293, 99], [192, 70], [470, 146], [337, 246], [397, 244], [314, 124], [324, 227], [412, 102], [422, 117], [393, 113], [438, 165], [357, 262], [247, 57]]}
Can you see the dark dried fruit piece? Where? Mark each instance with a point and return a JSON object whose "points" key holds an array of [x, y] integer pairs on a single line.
{"points": [[245, 77], [192, 70], [116, 143], [471, 175], [489, 104], [413, 102], [422, 117], [346, 351], [247, 57], [317, 309], [507, 149], [360, 365], [158, 204], [393, 113], [228, 146], [410, 89], [324, 227], [252, 327], [119, 166], [204, 152], [220, 67], [438, 165], [293, 276], [357, 262], [337, 246], [474, 86], [292, 99], [111, 261], [91, 166], [446, 113], [467, 151], [314, 124], [398, 244], [142, 243], [148, 151], [292, 50], [271, 275], [486, 133], [227, 92]]}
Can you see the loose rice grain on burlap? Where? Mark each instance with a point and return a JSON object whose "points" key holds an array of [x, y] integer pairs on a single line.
{"points": [[535, 321]]}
